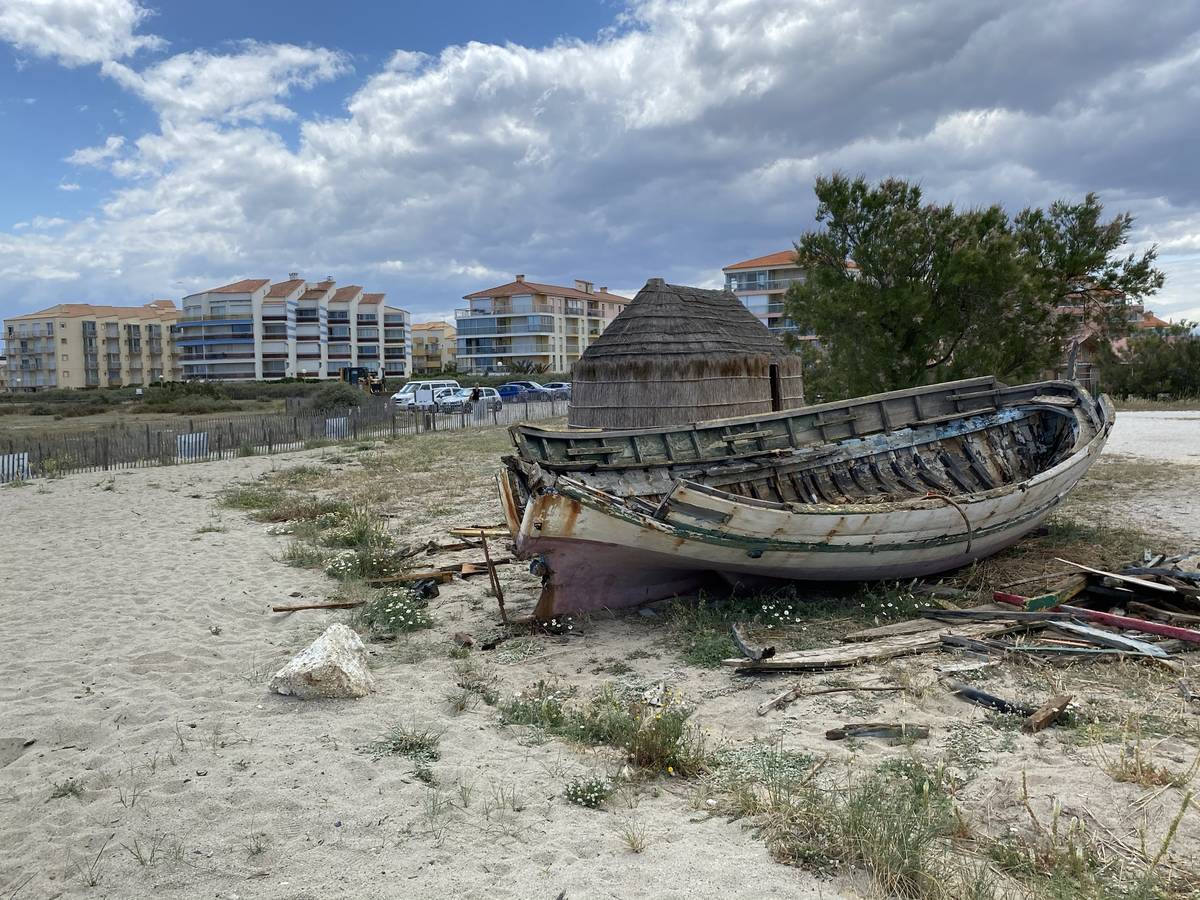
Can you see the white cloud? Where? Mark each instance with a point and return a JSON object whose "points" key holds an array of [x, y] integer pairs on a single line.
{"points": [[684, 138], [96, 156], [76, 32], [248, 85], [68, 186]]}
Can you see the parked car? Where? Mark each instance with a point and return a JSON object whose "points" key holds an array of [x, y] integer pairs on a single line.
{"points": [[560, 389], [421, 393], [524, 391], [459, 400], [407, 395]]}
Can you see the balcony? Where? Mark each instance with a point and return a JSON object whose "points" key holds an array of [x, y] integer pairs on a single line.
{"points": [[505, 307], [193, 321], [514, 349], [770, 284]]}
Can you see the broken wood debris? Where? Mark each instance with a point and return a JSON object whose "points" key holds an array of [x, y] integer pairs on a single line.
{"points": [[971, 694], [850, 655], [749, 650], [297, 607], [1047, 714], [886, 730]]}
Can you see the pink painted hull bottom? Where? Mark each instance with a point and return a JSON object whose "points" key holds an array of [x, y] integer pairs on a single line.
{"points": [[589, 576]]}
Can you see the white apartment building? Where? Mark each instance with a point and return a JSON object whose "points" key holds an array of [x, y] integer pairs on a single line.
{"points": [[253, 329], [523, 321], [761, 284]]}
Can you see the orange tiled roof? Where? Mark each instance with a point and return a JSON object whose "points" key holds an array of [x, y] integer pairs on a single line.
{"points": [[347, 293], [314, 293], [158, 308], [371, 298], [533, 287], [782, 258], [245, 286], [1150, 320], [284, 288]]}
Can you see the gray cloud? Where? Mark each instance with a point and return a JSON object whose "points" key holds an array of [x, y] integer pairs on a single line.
{"points": [[684, 138]]}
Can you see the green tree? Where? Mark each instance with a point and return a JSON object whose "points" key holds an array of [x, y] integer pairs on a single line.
{"points": [[938, 293], [1153, 362]]}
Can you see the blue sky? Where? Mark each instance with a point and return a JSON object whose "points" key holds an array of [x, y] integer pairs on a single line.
{"points": [[428, 149]]}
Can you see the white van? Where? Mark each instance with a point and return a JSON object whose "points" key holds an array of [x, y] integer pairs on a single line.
{"points": [[420, 394]]}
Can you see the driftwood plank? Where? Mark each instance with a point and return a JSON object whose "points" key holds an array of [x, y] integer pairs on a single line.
{"points": [[1046, 714], [887, 648], [488, 531], [433, 574], [1128, 579], [910, 626], [296, 607]]}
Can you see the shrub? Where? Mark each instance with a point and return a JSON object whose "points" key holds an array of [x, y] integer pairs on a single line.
{"points": [[590, 792], [367, 563], [335, 396], [655, 737], [359, 529], [396, 611], [418, 742]]}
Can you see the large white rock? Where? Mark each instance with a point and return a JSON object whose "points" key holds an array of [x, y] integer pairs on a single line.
{"points": [[334, 665]]}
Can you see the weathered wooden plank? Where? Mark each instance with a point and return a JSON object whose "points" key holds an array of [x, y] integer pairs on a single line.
{"points": [[854, 654], [1047, 714]]}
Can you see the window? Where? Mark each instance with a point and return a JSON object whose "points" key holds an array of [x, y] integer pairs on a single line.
{"points": [[66, 374], [64, 357], [64, 340]]}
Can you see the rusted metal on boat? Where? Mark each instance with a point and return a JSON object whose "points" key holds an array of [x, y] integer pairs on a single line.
{"points": [[896, 485]]}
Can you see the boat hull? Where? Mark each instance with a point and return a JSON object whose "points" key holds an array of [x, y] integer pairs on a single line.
{"points": [[596, 551]]}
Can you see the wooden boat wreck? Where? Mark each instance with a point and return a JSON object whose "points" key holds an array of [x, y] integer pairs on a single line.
{"points": [[895, 485]]}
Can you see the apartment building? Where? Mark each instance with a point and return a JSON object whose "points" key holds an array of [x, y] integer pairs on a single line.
{"points": [[77, 345], [527, 322], [255, 329], [3, 372], [434, 347], [761, 283]]}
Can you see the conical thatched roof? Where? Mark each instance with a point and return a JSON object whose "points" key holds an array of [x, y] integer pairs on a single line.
{"points": [[676, 320], [681, 354]]}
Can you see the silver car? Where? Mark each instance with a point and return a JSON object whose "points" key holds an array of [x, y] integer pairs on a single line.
{"points": [[459, 400]]}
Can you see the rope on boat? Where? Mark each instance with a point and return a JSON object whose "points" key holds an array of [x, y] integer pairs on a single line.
{"points": [[930, 495]]}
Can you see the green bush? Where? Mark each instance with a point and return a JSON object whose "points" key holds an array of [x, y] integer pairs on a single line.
{"points": [[335, 396]]}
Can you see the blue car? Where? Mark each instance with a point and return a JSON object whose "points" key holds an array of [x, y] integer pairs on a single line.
{"points": [[524, 391]]}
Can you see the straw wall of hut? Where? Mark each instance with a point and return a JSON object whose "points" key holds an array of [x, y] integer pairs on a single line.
{"points": [[677, 355]]}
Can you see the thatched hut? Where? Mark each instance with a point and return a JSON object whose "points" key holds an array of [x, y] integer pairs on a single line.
{"points": [[682, 354]]}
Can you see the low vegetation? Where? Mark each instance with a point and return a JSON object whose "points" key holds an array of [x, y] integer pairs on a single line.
{"points": [[655, 735], [590, 791]]}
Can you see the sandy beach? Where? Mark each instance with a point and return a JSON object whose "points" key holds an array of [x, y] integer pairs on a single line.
{"points": [[139, 639]]}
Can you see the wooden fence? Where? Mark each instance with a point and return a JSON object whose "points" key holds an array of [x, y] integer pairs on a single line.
{"points": [[200, 439]]}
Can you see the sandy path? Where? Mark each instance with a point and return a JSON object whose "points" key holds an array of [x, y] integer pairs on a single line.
{"points": [[1171, 436], [108, 606]]}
